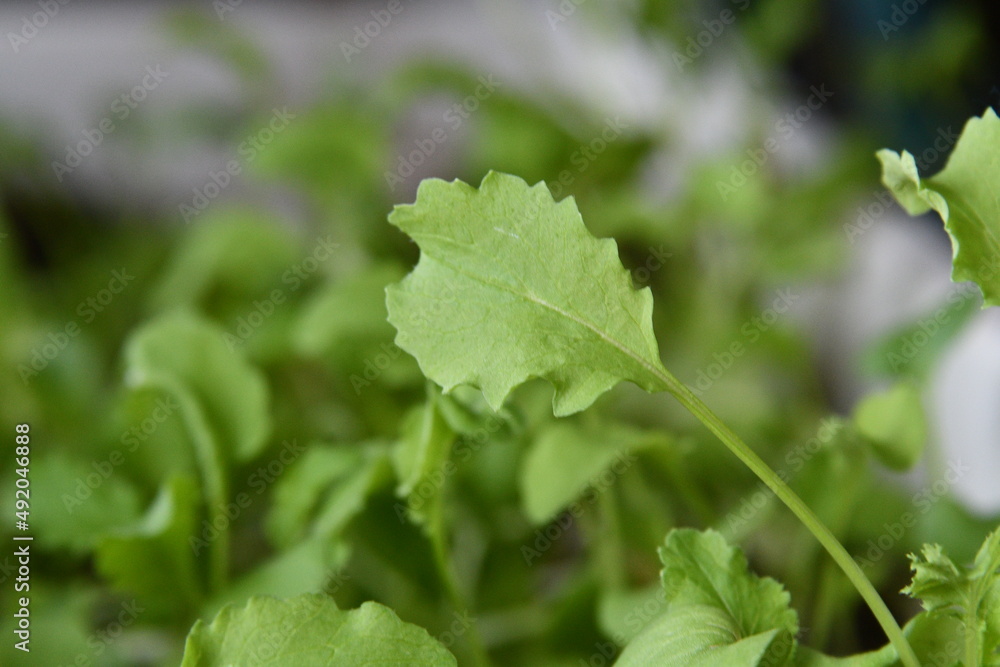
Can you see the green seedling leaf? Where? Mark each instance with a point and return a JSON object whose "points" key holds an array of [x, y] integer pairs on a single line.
{"points": [[212, 260], [511, 286], [76, 504], [310, 631], [153, 560], [893, 423], [223, 398], [325, 490], [695, 635], [422, 460], [964, 194], [970, 595], [718, 612], [566, 459]]}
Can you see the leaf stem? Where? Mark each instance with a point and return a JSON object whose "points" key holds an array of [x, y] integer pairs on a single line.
{"points": [[699, 409]]}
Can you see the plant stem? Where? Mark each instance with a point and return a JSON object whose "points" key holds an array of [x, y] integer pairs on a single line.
{"points": [[791, 500]]}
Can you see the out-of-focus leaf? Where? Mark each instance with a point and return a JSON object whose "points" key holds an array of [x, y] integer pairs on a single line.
{"points": [[154, 560], [566, 459], [323, 491], [224, 400], [310, 631], [893, 423]]}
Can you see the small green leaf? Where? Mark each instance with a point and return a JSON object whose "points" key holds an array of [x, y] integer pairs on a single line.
{"points": [[310, 631], [718, 613], [893, 423], [323, 491], [968, 594], [701, 568], [695, 636], [964, 194], [75, 504], [223, 398], [154, 560], [211, 261], [421, 458], [511, 286], [566, 459]]}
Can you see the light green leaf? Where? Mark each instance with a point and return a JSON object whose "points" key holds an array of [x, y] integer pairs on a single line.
{"points": [[717, 613], [153, 560], [884, 657], [893, 423], [348, 311], [964, 194], [511, 286], [223, 398], [421, 457], [310, 631], [324, 490], [968, 594], [212, 259], [566, 459], [75, 504], [701, 568], [695, 636]]}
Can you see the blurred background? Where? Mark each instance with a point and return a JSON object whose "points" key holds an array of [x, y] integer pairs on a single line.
{"points": [[201, 156]]}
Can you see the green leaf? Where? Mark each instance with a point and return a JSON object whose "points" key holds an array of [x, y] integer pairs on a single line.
{"points": [[893, 423], [212, 259], [74, 504], [697, 636], [510, 285], [421, 457], [968, 594], [701, 568], [325, 490], [351, 311], [154, 560], [310, 631], [223, 398], [964, 194], [718, 612], [566, 459]]}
